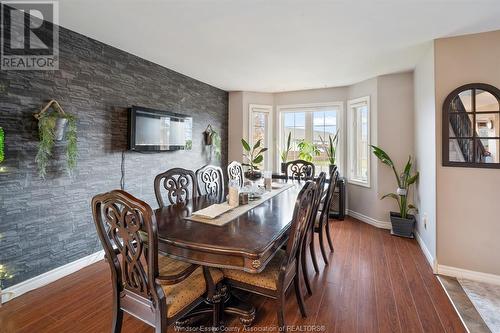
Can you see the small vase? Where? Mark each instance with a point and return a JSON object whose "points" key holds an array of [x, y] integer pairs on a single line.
{"points": [[60, 128], [331, 167]]}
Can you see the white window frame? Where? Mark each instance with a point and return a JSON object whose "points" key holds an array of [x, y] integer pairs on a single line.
{"points": [[261, 108], [308, 109], [351, 105]]}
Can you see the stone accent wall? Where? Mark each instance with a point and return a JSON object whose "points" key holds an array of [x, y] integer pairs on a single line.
{"points": [[47, 223]]}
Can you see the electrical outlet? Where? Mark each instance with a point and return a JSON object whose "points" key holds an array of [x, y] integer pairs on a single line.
{"points": [[425, 221]]}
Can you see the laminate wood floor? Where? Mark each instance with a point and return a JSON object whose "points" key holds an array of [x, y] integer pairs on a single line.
{"points": [[375, 282]]}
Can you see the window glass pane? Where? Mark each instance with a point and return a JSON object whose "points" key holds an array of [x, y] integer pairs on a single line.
{"points": [[460, 124], [487, 151], [324, 124], [360, 144], [295, 123], [463, 102], [485, 101], [460, 150], [487, 124], [260, 132]]}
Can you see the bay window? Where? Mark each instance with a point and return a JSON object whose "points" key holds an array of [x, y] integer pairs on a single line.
{"points": [[310, 123]]}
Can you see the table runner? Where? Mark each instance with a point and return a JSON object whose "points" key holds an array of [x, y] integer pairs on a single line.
{"points": [[240, 210]]}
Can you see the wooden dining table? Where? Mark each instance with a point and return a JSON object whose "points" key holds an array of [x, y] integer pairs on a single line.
{"points": [[247, 242]]}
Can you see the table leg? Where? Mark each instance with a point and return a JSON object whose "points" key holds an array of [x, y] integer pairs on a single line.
{"points": [[234, 305]]}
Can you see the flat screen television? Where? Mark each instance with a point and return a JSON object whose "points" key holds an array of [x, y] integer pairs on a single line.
{"points": [[152, 130]]}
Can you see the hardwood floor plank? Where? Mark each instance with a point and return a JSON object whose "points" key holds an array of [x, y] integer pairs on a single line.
{"points": [[444, 309], [367, 287], [387, 311], [407, 311], [425, 308], [366, 308]]}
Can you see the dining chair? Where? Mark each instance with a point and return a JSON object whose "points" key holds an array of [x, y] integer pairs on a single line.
{"points": [[284, 267], [179, 183], [235, 172], [300, 170], [153, 288], [210, 180], [321, 224], [309, 235]]}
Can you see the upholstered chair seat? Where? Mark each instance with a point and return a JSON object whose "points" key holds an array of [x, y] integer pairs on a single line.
{"points": [[184, 293], [267, 279]]}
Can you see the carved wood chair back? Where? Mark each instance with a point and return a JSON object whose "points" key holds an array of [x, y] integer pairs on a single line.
{"points": [[210, 180], [299, 170], [179, 184], [235, 171]]}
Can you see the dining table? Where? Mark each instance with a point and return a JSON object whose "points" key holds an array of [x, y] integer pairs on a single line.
{"points": [[245, 242]]}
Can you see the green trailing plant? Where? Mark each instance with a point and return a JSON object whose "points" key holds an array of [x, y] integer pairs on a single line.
{"points": [[404, 180], [4, 275], [287, 148], [46, 132], [216, 144], [2, 143], [253, 155], [308, 150], [331, 147]]}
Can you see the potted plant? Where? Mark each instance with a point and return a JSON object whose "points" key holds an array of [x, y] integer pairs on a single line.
{"points": [[212, 138], [285, 151], [308, 150], [331, 149], [51, 128], [254, 158], [402, 222]]}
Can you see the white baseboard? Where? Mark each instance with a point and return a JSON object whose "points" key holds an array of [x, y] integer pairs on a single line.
{"points": [[467, 274], [426, 252], [50, 276], [369, 220]]}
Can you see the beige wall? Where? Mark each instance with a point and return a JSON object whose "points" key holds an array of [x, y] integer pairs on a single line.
{"points": [[425, 149], [468, 224]]}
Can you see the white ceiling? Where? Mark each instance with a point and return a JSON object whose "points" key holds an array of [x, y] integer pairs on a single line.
{"points": [[278, 45]]}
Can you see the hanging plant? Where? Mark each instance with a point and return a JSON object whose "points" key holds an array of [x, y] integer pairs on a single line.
{"points": [[51, 128], [212, 138]]}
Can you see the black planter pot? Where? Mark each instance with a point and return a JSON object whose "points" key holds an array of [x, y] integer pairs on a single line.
{"points": [[253, 175], [283, 167], [331, 167], [402, 227]]}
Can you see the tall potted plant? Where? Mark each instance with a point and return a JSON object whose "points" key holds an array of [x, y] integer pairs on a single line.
{"points": [[402, 222], [331, 149], [253, 156], [285, 151]]}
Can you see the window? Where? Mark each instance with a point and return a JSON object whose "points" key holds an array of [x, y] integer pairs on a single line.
{"points": [[260, 129], [310, 123], [359, 139], [471, 127]]}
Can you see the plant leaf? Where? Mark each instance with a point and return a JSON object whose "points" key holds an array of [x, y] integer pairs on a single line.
{"points": [[390, 195], [258, 159], [245, 145], [262, 150], [257, 144], [382, 156], [413, 179]]}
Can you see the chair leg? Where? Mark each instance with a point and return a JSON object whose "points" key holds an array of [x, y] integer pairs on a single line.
{"points": [[280, 311], [322, 245], [117, 320], [313, 254], [304, 270], [298, 295], [328, 236]]}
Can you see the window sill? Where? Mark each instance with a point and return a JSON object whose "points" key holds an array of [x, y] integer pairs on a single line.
{"points": [[359, 183]]}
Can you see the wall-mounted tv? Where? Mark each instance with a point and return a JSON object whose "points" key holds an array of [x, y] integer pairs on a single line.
{"points": [[152, 130]]}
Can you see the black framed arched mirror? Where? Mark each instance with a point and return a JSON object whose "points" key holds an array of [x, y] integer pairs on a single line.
{"points": [[471, 127]]}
